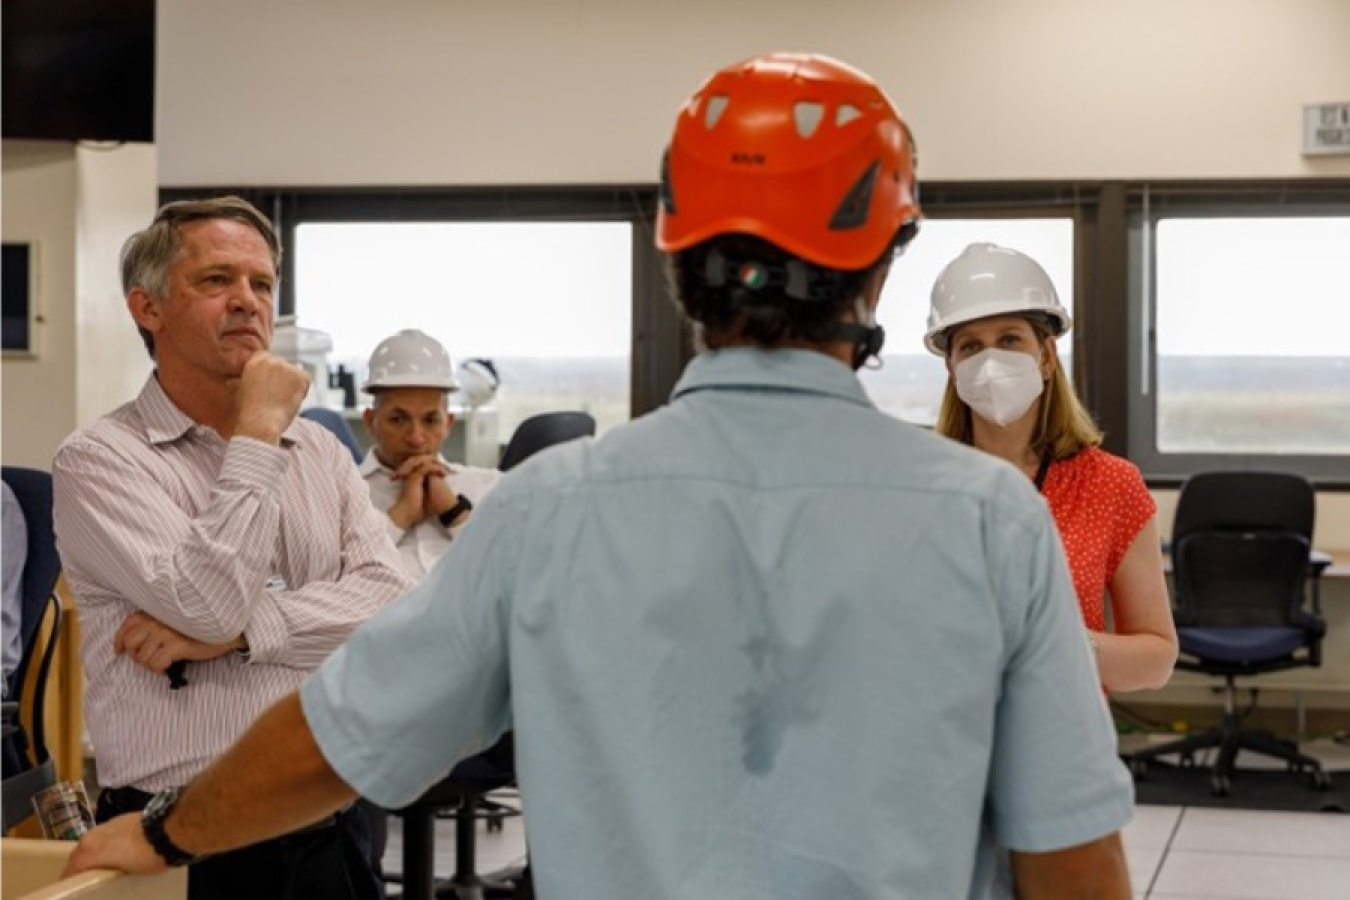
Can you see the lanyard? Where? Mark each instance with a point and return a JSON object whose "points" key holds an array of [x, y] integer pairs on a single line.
{"points": [[1042, 472]]}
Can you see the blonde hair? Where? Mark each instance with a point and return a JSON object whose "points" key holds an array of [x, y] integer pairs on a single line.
{"points": [[1064, 427]]}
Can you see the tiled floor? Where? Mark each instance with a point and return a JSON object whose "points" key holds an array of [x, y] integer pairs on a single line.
{"points": [[1189, 853], [1175, 853]]}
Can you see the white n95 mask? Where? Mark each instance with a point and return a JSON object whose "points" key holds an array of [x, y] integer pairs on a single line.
{"points": [[1000, 385]]}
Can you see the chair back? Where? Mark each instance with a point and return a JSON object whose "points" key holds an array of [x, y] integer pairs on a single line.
{"points": [[42, 567], [29, 766], [544, 430], [335, 422], [26, 747], [1241, 543]]}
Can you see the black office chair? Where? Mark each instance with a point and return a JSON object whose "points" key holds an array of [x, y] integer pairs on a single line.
{"points": [[544, 430], [1242, 576], [28, 765], [463, 793], [336, 422]]}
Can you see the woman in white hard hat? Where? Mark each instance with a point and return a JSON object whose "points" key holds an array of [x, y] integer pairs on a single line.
{"points": [[994, 319]]}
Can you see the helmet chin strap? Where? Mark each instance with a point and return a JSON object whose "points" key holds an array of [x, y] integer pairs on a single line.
{"points": [[867, 340]]}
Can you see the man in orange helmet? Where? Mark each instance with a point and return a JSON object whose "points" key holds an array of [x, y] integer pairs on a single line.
{"points": [[765, 642]]}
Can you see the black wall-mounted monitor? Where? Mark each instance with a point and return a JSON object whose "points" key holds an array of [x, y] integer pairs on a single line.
{"points": [[78, 70], [16, 297]]}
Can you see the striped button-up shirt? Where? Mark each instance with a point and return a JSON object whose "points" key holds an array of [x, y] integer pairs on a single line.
{"points": [[214, 538]]}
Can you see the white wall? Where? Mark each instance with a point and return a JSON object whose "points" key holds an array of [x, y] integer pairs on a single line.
{"points": [[39, 393], [427, 92], [117, 195], [78, 204]]}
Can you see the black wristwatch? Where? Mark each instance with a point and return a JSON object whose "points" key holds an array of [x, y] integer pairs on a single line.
{"points": [[152, 823], [461, 507]]}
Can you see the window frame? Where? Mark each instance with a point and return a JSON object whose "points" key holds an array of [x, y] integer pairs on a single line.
{"points": [[1110, 276], [1147, 205]]}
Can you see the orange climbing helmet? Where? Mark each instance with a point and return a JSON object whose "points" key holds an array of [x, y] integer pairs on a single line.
{"points": [[802, 151]]}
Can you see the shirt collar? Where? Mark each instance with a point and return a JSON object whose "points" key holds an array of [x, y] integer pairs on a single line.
{"points": [[751, 368], [370, 465], [165, 422]]}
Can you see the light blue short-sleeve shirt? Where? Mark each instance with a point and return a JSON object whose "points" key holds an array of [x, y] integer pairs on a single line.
{"points": [[765, 642]]}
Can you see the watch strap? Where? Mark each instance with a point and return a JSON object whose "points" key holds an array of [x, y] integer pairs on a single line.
{"points": [[152, 823], [462, 506]]}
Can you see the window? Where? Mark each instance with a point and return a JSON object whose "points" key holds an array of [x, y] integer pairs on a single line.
{"points": [[1241, 357], [1250, 358], [910, 382], [550, 303], [1204, 312]]}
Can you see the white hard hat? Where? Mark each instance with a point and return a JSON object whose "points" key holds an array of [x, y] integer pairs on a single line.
{"points": [[410, 358], [480, 381], [989, 280]]}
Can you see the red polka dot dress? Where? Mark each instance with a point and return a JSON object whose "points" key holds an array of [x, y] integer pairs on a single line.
{"points": [[1099, 503]]}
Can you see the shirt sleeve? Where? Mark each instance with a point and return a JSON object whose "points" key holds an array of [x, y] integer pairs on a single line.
{"points": [[445, 643], [1055, 779], [392, 530], [1135, 506], [201, 575], [301, 627]]}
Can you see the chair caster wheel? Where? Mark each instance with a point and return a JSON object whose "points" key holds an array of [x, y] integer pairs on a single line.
{"points": [[1219, 785]]}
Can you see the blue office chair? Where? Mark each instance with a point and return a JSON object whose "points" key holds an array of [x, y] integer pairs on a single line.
{"points": [[463, 793], [29, 766], [336, 422], [1246, 601]]}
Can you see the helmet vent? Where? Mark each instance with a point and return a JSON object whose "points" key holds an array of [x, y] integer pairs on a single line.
{"points": [[807, 115], [713, 109], [846, 113], [852, 211]]}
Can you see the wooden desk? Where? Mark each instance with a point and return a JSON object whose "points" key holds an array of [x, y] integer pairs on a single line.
{"points": [[32, 871], [1340, 563]]}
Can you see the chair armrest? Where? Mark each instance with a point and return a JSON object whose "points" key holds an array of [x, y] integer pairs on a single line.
{"points": [[1318, 562]]}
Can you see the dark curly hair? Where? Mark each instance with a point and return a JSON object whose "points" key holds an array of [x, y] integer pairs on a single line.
{"points": [[738, 287]]}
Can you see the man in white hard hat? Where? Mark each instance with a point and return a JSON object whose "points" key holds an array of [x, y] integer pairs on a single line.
{"points": [[426, 499]]}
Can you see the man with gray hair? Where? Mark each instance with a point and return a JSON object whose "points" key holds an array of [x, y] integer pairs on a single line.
{"points": [[210, 534]]}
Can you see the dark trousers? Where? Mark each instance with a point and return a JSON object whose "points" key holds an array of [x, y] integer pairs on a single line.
{"points": [[331, 862]]}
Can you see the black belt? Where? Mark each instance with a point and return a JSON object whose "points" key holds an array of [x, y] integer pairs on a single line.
{"points": [[115, 801]]}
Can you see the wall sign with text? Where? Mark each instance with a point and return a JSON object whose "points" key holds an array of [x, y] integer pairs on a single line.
{"points": [[1326, 129]]}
